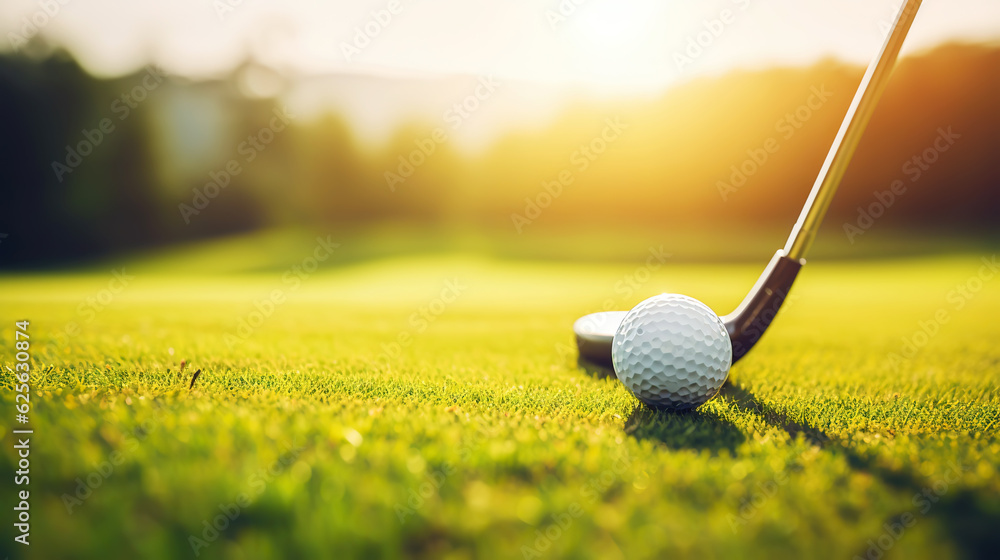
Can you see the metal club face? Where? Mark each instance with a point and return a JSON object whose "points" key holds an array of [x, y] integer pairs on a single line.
{"points": [[745, 325]]}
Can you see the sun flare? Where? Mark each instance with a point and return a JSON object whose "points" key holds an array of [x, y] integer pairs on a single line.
{"points": [[615, 42]]}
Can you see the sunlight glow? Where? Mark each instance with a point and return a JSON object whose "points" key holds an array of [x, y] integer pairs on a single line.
{"points": [[414, 62], [615, 41]]}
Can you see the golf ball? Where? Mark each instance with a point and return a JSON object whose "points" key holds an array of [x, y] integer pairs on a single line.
{"points": [[672, 352]]}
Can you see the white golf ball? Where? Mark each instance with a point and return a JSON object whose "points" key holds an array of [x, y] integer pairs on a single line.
{"points": [[672, 351]]}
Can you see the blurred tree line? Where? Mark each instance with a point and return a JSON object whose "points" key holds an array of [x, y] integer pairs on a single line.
{"points": [[92, 167]]}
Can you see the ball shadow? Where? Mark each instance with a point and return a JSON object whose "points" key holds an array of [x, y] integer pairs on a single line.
{"points": [[595, 370], [693, 429], [960, 511], [696, 429]]}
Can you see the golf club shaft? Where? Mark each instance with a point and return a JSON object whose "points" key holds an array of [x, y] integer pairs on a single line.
{"points": [[747, 323], [849, 135]]}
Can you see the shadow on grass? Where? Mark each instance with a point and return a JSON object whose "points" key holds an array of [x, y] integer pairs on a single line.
{"points": [[747, 403], [969, 520], [694, 429], [686, 430], [971, 524]]}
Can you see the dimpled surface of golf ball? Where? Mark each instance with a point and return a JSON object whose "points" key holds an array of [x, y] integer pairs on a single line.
{"points": [[672, 352]]}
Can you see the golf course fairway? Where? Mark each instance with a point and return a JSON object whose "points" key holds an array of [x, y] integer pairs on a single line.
{"points": [[433, 407]]}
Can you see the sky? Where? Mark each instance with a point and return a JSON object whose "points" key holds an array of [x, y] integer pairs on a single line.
{"points": [[593, 42], [604, 47]]}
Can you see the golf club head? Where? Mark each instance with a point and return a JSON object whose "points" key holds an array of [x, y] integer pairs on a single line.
{"points": [[745, 325], [596, 331], [594, 334]]}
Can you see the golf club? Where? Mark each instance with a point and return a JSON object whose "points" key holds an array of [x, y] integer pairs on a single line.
{"points": [[747, 323]]}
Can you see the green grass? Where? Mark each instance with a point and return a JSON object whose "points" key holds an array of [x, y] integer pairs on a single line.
{"points": [[484, 433]]}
